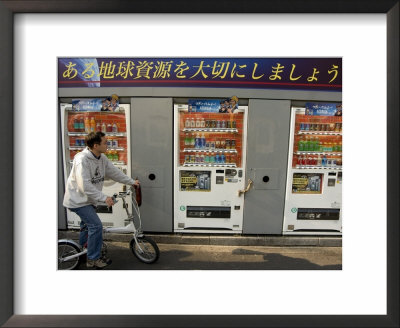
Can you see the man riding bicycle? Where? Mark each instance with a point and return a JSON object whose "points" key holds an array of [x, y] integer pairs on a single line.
{"points": [[84, 192]]}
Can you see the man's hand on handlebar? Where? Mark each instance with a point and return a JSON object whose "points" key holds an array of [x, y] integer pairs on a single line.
{"points": [[109, 201], [136, 183]]}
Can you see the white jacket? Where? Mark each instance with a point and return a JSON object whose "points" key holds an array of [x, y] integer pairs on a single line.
{"points": [[85, 182]]}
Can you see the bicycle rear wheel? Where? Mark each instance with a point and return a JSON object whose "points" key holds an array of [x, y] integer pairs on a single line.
{"points": [[66, 249], [148, 251]]}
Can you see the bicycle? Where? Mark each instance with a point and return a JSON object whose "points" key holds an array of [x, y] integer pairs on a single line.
{"points": [[71, 254]]}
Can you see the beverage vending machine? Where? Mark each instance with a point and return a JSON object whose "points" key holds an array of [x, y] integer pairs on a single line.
{"points": [[209, 161], [314, 177], [76, 124]]}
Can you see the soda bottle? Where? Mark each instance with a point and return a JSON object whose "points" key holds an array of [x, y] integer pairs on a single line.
{"points": [[198, 123], [114, 127], [301, 144], [299, 159], [81, 124], [98, 127], [321, 146], [187, 122], [109, 127], [307, 144], [316, 144], [324, 160], [203, 141], [197, 141], [103, 127], [76, 124], [192, 123], [186, 140], [92, 124], [87, 125], [116, 155], [223, 158], [340, 146], [192, 140], [202, 123], [319, 162], [311, 146]]}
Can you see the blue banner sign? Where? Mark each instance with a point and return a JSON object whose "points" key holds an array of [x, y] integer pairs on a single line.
{"points": [[204, 105], [83, 105], [260, 73], [324, 109]]}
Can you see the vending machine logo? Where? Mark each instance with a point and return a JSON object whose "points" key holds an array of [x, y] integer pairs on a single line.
{"points": [[182, 208], [294, 210]]}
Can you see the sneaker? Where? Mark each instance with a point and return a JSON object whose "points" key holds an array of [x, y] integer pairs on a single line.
{"points": [[98, 264]]}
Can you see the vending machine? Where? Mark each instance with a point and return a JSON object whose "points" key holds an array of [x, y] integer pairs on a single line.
{"points": [[209, 161], [314, 177], [77, 122]]}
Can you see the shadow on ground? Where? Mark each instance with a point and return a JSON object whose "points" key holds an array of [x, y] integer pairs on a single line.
{"points": [[175, 259]]}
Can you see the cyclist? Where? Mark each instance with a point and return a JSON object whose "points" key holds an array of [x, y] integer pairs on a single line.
{"points": [[84, 192]]}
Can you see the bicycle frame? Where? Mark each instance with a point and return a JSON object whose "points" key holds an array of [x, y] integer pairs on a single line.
{"points": [[129, 228]]}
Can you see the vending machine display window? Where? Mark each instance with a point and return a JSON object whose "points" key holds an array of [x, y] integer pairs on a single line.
{"points": [[318, 214], [195, 180], [210, 139], [307, 183]]}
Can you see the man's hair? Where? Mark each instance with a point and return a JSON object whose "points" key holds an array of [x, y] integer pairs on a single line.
{"points": [[94, 138]]}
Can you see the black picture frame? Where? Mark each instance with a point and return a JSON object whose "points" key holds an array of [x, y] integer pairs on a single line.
{"points": [[7, 11]]}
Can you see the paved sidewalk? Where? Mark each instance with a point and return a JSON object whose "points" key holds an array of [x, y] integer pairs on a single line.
{"points": [[227, 240]]}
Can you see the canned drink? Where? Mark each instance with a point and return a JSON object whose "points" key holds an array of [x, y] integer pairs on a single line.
{"points": [[115, 143], [227, 144], [77, 142], [218, 126], [223, 124], [187, 158], [222, 158], [233, 124], [217, 144], [233, 144], [109, 143], [207, 144], [307, 127], [207, 123], [227, 158], [323, 127], [217, 158], [197, 158], [207, 158], [83, 144], [229, 124], [214, 123]]}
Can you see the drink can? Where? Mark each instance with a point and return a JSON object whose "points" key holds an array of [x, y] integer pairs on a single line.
{"points": [[307, 127], [223, 124], [115, 143], [217, 144], [323, 127], [302, 126], [229, 124], [218, 126], [214, 123], [223, 144], [227, 158], [197, 158], [233, 144], [227, 144], [82, 142], [207, 158], [222, 158], [207, 144], [109, 143], [233, 124], [212, 144], [77, 142], [187, 158], [212, 158]]}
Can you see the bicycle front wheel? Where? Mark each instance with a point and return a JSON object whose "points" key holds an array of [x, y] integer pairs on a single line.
{"points": [[146, 249], [66, 249]]}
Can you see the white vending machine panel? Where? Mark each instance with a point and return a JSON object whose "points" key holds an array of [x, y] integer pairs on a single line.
{"points": [[115, 125], [314, 178], [210, 152]]}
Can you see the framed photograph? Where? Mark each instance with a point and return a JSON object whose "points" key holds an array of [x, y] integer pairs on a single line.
{"points": [[255, 300]]}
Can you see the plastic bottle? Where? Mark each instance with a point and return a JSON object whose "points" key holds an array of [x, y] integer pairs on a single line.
{"points": [[116, 156], [192, 140], [87, 125], [92, 124], [186, 140], [202, 123], [98, 127], [103, 127], [81, 124], [187, 122], [76, 124], [316, 144], [197, 141], [198, 123], [114, 127], [324, 160], [301, 144], [311, 146], [109, 127], [203, 141], [319, 161], [192, 123], [321, 146], [307, 144]]}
